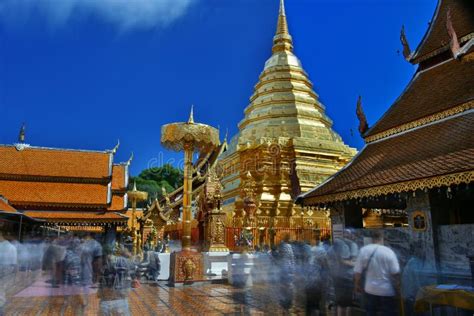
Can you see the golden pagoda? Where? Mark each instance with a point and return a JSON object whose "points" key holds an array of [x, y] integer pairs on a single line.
{"points": [[285, 143]]}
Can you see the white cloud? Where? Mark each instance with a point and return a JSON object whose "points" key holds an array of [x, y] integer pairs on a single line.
{"points": [[125, 14]]}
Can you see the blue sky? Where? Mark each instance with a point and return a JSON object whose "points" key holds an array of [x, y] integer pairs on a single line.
{"points": [[84, 73]]}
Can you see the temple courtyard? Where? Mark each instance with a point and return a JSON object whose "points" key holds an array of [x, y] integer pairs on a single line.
{"points": [[151, 299]]}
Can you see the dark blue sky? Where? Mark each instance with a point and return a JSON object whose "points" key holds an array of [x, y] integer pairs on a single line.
{"points": [[86, 81]]}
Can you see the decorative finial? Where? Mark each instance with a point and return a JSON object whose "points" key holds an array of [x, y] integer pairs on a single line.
{"points": [[134, 185], [363, 125], [191, 115], [21, 135], [282, 8], [282, 26], [114, 150], [282, 39], [129, 161], [406, 47], [454, 43], [226, 134]]}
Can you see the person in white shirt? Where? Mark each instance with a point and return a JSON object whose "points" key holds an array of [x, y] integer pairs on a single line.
{"points": [[8, 262], [381, 268]]}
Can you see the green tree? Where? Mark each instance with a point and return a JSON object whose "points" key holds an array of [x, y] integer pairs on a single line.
{"points": [[153, 179]]}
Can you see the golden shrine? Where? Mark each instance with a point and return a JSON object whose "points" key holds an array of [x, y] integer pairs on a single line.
{"points": [[285, 146]]}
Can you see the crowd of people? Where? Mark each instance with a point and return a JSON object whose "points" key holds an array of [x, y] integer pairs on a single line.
{"points": [[72, 265], [338, 276]]}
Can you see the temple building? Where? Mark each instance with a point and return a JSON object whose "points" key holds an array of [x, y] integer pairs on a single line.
{"points": [[285, 146], [67, 189], [418, 159]]}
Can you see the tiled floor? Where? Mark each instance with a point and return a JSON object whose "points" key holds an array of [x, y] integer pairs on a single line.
{"points": [[151, 299]]}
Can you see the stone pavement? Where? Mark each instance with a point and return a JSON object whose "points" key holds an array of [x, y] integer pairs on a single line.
{"points": [[151, 299]]}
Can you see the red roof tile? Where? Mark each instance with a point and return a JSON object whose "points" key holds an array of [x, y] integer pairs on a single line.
{"points": [[119, 173], [117, 204], [445, 147], [45, 162], [51, 193], [5, 207]]}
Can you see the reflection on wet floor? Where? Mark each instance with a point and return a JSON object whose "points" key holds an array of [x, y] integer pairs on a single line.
{"points": [[150, 299]]}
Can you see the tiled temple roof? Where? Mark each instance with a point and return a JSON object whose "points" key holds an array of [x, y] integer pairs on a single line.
{"points": [[426, 138], [119, 177], [437, 39], [431, 91], [55, 193], [54, 178], [118, 203], [416, 159], [69, 217], [54, 163], [6, 207]]}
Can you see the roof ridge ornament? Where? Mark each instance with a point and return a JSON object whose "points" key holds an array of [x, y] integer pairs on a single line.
{"points": [[406, 47], [114, 150], [21, 134], [363, 125], [453, 43], [129, 161], [21, 139], [191, 115]]}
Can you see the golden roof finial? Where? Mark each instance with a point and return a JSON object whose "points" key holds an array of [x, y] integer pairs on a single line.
{"points": [[282, 26], [282, 40], [191, 115], [134, 186], [21, 134]]}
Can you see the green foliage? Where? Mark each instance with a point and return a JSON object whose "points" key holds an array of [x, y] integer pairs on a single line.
{"points": [[153, 179]]}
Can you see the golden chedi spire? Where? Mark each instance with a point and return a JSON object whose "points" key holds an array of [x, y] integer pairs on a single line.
{"points": [[282, 40], [285, 139], [284, 105]]}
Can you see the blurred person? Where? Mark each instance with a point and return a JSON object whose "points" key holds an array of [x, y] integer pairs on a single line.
{"points": [[53, 261], [263, 270], [341, 267], [313, 287], [91, 255], [115, 280], [8, 265], [154, 264], [413, 277], [240, 277], [320, 268], [350, 239], [72, 263], [379, 266], [287, 266]]}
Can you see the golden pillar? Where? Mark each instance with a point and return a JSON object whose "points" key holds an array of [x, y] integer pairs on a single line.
{"points": [[187, 195], [189, 137], [136, 196]]}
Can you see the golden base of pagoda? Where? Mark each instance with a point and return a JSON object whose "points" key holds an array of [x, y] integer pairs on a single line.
{"points": [[186, 267], [217, 248]]}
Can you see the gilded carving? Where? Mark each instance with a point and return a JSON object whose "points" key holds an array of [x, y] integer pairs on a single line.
{"points": [[428, 183]]}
